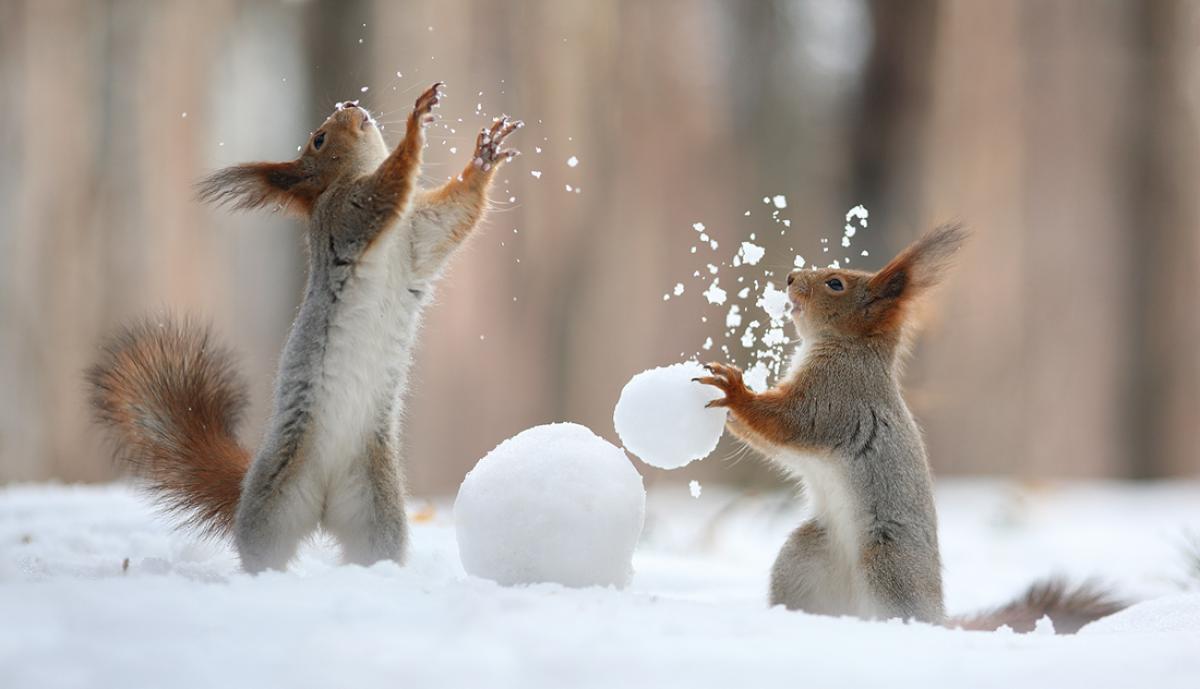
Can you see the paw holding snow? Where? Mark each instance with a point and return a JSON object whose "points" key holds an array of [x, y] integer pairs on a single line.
{"points": [[664, 416], [555, 503], [488, 153]]}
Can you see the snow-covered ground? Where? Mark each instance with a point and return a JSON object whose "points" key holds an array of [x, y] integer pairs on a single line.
{"points": [[180, 614]]}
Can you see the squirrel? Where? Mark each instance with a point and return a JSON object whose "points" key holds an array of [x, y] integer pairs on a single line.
{"points": [[171, 398], [839, 423]]}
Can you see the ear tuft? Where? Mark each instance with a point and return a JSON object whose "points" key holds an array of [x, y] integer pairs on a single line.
{"points": [[921, 266], [256, 185]]}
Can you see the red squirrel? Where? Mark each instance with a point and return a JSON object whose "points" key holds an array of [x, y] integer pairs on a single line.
{"points": [[839, 423], [330, 456]]}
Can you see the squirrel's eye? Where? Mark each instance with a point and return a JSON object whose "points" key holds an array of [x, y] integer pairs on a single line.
{"points": [[318, 141], [835, 284]]}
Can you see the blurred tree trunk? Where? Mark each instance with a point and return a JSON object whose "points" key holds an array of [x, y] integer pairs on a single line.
{"points": [[1163, 246]]}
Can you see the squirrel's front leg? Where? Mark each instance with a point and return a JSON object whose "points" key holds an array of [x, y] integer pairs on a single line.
{"points": [[391, 187], [763, 420], [444, 218]]}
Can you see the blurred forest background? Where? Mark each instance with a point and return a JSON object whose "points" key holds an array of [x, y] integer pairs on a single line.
{"points": [[1064, 132]]}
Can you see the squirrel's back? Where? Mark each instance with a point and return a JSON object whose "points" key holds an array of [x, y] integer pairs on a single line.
{"points": [[171, 400]]}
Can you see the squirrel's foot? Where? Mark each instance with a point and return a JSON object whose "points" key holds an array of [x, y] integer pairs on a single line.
{"points": [[422, 114], [488, 153], [729, 380]]}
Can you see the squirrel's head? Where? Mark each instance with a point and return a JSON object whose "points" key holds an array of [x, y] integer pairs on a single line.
{"points": [[347, 145], [832, 303]]}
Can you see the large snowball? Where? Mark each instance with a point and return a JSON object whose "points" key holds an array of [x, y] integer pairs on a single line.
{"points": [[555, 503], [661, 416]]}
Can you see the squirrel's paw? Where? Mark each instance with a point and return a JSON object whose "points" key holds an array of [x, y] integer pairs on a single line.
{"points": [[422, 113], [488, 153], [728, 379]]}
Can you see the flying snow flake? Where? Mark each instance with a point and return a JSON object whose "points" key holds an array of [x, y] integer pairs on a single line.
{"points": [[537, 174], [572, 161], [708, 343], [733, 319], [678, 288], [694, 488], [774, 301], [780, 201], [799, 262], [698, 226], [714, 294], [751, 253], [756, 377], [364, 89]]}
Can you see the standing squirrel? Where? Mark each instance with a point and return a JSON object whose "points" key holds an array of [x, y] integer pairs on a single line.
{"points": [[839, 423], [330, 455]]}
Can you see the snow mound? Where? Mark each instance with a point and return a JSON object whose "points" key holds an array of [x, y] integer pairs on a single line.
{"points": [[555, 503], [661, 417], [1178, 613]]}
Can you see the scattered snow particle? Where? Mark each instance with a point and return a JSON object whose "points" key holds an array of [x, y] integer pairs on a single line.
{"points": [[364, 89], [183, 115], [537, 174], [698, 226], [733, 319], [572, 161], [751, 253], [708, 343], [756, 377], [568, 186], [779, 200], [694, 488], [678, 288], [714, 294], [799, 263]]}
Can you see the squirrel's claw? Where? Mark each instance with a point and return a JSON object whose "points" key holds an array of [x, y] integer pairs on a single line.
{"points": [[426, 102], [488, 153]]}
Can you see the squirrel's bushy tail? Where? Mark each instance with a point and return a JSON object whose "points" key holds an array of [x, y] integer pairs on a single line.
{"points": [[1069, 608], [172, 400]]}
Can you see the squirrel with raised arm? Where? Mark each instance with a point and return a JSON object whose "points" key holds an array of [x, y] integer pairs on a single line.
{"points": [[330, 455], [839, 424]]}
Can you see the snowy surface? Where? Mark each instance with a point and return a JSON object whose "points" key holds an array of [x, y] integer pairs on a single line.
{"points": [[182, 615], [555, 503], [661, 417]]}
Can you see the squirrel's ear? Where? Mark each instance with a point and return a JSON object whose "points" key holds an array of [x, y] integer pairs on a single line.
{"points": [[255, 185], [918, 267]]}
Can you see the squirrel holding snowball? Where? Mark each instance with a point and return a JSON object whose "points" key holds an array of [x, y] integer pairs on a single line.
{"points": [[330, 456], [839, 423]]}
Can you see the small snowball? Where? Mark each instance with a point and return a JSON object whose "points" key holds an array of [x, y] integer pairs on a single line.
{"points": [[779, 200], [694, 488], [572, 161], [662, 419], [555, 503], [678, 289]]}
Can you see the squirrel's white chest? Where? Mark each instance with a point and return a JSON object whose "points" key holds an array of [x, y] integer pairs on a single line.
{"points": [[365, 362]]}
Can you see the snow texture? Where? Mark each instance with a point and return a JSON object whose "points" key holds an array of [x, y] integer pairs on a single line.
{"points": [[182, 615], [662, 419], [555, 503]]}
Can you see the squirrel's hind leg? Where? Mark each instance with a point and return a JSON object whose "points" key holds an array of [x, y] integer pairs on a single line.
{"points": [[807, 575], [365, 511], [280, 507]]}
